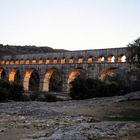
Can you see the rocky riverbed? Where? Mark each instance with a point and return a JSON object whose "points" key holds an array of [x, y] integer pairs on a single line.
{"points": [[110, 118]]}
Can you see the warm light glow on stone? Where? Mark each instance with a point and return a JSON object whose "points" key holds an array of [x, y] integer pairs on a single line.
{"points": [[122, 58], [34, 61], [71, 60], [100, 59], [27, 61], [7, 62], [12, 62], [47, 61], [17, 62], [80, 60], [2, 62], [27, 78], [22, 61], [40, 61], [55, 61], [110, 59], [63, 60], [90, 60], [12, 75]]}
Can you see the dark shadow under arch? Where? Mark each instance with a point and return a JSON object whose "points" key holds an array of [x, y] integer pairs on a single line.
{"points": [[52, 80]]}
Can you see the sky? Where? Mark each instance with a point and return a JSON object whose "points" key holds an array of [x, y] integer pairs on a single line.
{"points": [[70, 24]]}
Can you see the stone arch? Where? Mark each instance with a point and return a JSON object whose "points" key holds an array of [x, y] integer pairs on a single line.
{"points": [[16, 61], [63, 60], [52, 80], [80, 59], [7, 62], [55, 60], [122, 58], [40, 61], [48, 61], [12, 61], [2, 62], [111, 59], [90, 59], [27, 61], [2, 73], [22, 61], [114, 72], [77, 72], [34, 61], [14, 75], [31, 80], [101, 59], [71, 60]]}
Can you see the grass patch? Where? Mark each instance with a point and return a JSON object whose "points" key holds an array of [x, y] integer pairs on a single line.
{"points": [[124, 111]]}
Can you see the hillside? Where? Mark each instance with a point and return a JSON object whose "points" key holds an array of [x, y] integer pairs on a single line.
{"points": [[15, 50]]}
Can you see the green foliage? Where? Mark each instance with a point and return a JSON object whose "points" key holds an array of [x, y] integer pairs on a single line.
{"points": [[89, 88], [133, 50], [10, 91]]}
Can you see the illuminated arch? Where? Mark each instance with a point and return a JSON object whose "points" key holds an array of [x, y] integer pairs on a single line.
{"points": [[16, 61], [55, 60], [2, 62], [7, 62], [27, 61], [71, 60], [63, 60], [33, 61], [90, 59], [12, 61], [22, 61], [2, 73], [111, 59], [115, 74], [40, 61], [52, 80], [80, 59], [101, 59], [78, 72], [122, 58], [110, 72], [31, 80], [48, 61], [14, 75]]}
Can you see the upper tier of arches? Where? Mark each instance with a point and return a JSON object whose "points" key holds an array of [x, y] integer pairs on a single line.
{"points": [[69, 57], [64, 60]]}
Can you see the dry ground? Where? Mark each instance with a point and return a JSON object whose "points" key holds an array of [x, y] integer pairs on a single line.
{"points": [[111, 118]]}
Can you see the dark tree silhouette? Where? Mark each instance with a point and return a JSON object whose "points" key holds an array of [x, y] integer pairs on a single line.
{"points": [[133, 50]]}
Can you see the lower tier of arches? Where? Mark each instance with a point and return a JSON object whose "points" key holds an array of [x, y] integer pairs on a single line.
{"points": [[55, 80]]}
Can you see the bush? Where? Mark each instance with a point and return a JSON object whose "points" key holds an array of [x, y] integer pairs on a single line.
{"points": [[50, 97], [10, 91], [89, 88], [15, 92], [3, 94]]}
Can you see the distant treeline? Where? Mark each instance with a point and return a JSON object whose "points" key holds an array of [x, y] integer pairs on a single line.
{"points": [[15, 49]]}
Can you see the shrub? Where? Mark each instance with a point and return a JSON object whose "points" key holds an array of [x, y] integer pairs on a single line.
{"points": [[50, 97], [15, 91], [3, 94], [89, 88], [10, 91]]}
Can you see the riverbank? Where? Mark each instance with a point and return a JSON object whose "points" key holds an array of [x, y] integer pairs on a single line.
{"points": [[98, 118]]}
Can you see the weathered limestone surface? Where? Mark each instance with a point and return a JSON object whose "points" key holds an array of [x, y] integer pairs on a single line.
{"points": [[88, 60]]}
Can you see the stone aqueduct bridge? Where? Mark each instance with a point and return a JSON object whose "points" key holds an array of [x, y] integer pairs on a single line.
{"points": [[62, 66]]}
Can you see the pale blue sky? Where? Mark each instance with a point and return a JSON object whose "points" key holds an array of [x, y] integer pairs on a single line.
{"points": [[70, 24]]}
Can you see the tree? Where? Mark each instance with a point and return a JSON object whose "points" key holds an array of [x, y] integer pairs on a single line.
{"points": [[133, 50]]}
